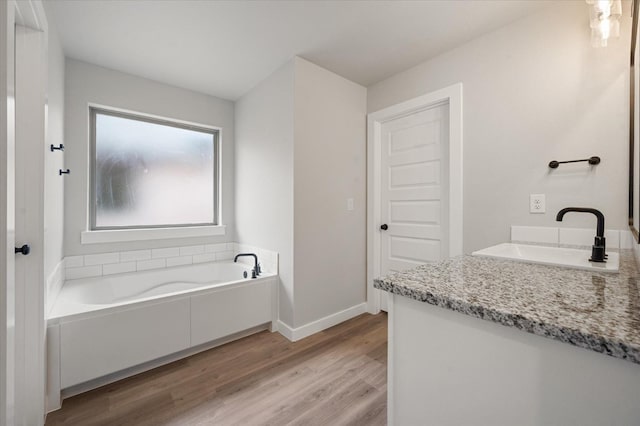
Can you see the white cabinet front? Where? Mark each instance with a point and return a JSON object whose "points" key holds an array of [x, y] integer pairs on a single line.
{"points": [[225, 312], [93, 347]]}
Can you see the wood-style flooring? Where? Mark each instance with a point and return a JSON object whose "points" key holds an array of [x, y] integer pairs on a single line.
{"points": [[335, 377]]}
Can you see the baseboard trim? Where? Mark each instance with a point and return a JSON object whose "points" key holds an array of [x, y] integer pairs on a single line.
{"points": [[285, 330], [295, 334]]}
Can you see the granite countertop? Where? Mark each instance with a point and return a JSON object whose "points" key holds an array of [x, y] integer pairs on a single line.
{"points": [[597, 311]]}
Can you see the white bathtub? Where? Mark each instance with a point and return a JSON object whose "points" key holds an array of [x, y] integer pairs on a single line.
{"points": [[112, 291], [104, 325]]}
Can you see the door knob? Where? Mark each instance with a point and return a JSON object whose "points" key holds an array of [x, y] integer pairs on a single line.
{"points": [[384, 227], [25, 249]]}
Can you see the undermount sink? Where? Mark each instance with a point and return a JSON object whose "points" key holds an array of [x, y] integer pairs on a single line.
{"points": [[553, 256]]}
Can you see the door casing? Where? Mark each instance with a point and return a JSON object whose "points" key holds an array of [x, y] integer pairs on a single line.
{"points": [[452, 95]]}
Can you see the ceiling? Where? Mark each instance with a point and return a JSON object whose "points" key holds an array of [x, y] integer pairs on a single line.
{"points": [[224, 48]]}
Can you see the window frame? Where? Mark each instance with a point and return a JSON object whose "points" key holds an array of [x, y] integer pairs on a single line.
{"points": [[148, 118]]}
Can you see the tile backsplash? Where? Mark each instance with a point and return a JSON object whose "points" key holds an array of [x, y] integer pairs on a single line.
{"points": [[534, 234], [268, 259], [95, 265], [616, 239]]}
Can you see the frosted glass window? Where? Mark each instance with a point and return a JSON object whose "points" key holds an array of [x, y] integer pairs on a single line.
{"points": [[150, 173]]}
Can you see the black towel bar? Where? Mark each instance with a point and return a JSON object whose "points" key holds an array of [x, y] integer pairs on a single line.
{"points": [[593, 161]]}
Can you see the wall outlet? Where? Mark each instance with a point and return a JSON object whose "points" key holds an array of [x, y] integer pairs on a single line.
{"points": [[537, 203]]}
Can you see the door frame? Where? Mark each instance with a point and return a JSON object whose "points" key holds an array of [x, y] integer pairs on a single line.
{"points": [[452, 96]]}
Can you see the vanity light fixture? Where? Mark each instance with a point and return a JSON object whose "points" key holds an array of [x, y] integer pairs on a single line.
{"points": [[604, 20]]}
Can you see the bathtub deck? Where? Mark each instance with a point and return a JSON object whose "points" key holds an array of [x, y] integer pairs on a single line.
{"points": [[334, 377]]}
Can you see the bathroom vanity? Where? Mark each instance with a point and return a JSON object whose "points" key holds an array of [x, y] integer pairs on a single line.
{"points": [[485, 341]]}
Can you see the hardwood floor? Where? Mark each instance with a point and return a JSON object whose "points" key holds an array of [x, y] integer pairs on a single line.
{"points": [[335, 377]]}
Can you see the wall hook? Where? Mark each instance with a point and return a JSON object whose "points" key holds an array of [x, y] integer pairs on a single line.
{"points": [[64, 172], [593, 161], [57, 148]]}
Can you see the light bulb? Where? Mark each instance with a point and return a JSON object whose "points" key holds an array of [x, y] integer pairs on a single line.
{"points": [[605, 29], [604, 20], [604, 7]]}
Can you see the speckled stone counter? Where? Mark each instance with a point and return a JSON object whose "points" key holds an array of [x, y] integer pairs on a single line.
{"points": [[596, 311]]}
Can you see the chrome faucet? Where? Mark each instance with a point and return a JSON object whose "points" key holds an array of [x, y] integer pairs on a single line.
{"points": [[598, 250], [256, 266]]}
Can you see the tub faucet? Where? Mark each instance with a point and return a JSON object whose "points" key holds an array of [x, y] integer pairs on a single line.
{"points": [[598, 250], [256, 266]]}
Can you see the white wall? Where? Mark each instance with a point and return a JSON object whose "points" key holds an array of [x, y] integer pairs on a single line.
{"points": [[534, 91], [53, 182], [329, 168], [53, 161], [87, 83], [300, 153], [264, 174]]}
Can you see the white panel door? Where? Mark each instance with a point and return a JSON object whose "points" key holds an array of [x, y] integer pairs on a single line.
{"points": [[414, 189], [30, 90], [22, 130], [7, 213]]}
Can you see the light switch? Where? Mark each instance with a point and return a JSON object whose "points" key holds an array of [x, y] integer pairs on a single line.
{"points": [[350, 204]]}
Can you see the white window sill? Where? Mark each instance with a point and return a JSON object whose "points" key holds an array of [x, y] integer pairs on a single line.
{"points": [[122, 235]]}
